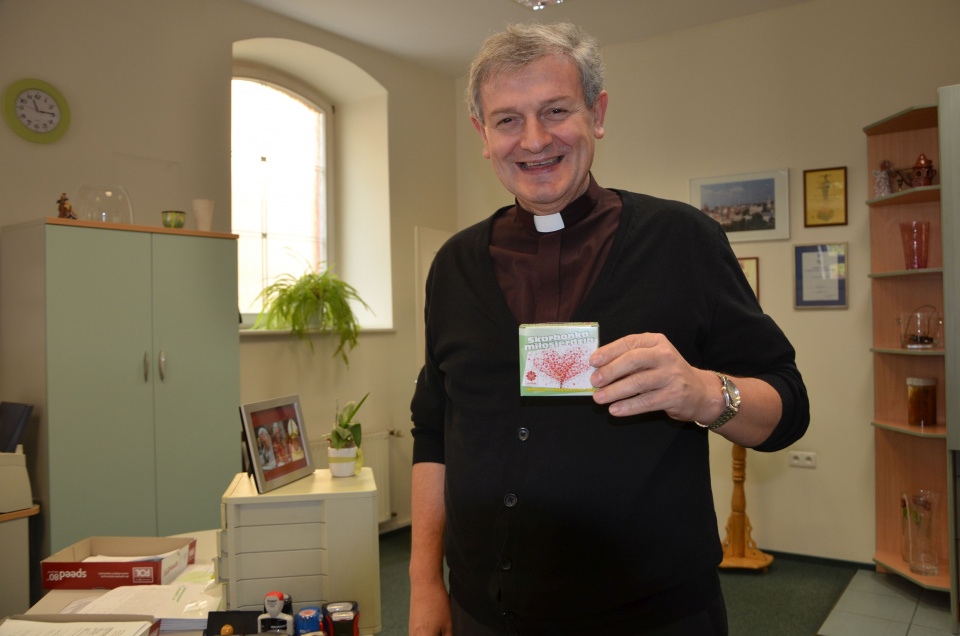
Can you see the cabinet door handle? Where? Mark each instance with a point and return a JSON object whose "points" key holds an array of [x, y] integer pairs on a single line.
{"points": [[146, 366], [163, 365]]}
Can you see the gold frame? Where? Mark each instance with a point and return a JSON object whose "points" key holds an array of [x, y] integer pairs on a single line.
{"points": [[825, 197], [751, 269]]}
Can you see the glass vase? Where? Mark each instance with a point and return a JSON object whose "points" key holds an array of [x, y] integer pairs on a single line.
{"points": [[105, 204], [921, 528]]}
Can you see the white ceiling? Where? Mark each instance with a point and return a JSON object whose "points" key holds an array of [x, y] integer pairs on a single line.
{"points": [[445, 34]]}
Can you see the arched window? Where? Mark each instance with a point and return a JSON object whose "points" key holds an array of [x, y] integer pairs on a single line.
{"points": [[281, 184]]}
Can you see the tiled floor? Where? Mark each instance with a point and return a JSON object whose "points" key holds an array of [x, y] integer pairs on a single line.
{"points": [[876, 604]]}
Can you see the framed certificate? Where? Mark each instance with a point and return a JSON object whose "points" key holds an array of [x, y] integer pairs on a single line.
{"points": [[820, 272], [825, 197]]}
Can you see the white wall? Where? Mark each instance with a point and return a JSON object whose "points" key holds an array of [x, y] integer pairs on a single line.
{"points": [[791, 88], [148, 85]]}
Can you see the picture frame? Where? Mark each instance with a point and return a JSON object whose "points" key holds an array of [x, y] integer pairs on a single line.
{"points": [[825, 197], [751, 207], [820, 272], [751, 269], [278, 448]]}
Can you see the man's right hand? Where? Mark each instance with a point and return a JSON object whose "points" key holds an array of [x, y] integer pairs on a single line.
{"points": [[429, 609], [429, 601]]}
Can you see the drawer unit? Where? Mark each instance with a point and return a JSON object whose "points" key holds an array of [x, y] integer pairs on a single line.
{"points": [[316, 539]]}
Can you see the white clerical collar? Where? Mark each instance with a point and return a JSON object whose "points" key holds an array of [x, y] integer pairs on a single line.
{"points": [[548, 223]]}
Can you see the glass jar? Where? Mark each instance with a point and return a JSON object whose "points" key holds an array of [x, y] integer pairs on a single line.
{"points": [[922, 401], [105, 204]]}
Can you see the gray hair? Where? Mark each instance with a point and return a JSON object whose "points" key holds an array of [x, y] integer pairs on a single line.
{"points": [[521, 44]]}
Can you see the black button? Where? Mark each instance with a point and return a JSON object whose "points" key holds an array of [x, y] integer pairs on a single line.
{"points": [[505, 564], [523, 434], [510, 500]]}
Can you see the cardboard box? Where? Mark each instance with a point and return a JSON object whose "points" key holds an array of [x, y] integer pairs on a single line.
{"points": [[554, 358], [65, 570], [89, 618]]}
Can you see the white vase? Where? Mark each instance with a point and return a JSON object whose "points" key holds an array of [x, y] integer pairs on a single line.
{"points": [[343, 461]]}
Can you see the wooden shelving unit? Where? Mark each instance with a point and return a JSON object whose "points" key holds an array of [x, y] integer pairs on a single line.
{"points": [[907, 458], [910, 458]]}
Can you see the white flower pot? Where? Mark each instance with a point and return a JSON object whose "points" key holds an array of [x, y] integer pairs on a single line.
{"points": [[343, 461]]}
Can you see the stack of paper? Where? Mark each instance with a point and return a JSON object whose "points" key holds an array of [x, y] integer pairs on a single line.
{"points": [[15, 627], [181, 606]]}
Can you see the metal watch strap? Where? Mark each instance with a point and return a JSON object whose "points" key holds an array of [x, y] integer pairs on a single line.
{"points": [[732, 403]]}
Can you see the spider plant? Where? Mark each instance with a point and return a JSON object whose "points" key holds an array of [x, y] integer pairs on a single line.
{"points": [[317, 300]]}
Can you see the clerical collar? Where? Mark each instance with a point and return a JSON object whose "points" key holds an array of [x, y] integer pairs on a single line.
{"points": [[567, 217], [549, 223]]}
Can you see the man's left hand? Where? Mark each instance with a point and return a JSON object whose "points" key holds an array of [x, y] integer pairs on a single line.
{"points": [[644, 372]]}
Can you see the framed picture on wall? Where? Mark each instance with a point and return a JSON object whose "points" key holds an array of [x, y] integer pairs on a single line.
{"points": [[750, 207], [277, 443], [821, 276], [825, 197], [751, 269]]}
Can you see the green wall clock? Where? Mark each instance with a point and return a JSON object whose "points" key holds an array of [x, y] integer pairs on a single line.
{"points": [[36, 111]]}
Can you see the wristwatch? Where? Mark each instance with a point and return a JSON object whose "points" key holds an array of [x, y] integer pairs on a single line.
{"points": [[731, 397]]}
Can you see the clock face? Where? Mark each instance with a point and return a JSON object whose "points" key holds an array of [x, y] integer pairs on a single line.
{"points": [[38, 111]]}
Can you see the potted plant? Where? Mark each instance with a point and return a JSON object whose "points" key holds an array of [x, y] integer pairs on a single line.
{"points": [[344, 454], [316, 300]]}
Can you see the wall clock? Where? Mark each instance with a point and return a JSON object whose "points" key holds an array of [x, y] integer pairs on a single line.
{"points": [[36, 111]]}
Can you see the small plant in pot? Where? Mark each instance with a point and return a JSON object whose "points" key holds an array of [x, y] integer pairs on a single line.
{"points": [[344, 454], [316, 300]]}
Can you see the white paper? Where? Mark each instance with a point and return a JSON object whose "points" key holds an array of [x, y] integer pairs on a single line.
{"points": [[820, 276], [103, 558], [13, 627], [180, 606]]}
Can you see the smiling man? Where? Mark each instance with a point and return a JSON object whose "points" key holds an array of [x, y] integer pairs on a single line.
{"points": [[563, 515]]}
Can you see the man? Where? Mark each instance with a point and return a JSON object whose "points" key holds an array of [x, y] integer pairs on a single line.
{"points": [[570, 514]]}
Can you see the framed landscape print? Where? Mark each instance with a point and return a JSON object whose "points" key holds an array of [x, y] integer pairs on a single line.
{"points": [[750, 207], [825, 197]]}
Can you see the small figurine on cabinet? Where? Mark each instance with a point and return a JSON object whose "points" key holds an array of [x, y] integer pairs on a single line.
{"points": [[277, 614], [66, 210], [923, 172]]}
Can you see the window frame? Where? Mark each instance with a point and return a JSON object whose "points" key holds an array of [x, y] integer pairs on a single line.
{"points": [[287, 83]]}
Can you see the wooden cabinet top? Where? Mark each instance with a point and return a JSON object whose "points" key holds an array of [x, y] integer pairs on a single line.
{"points": [[119, 226]]}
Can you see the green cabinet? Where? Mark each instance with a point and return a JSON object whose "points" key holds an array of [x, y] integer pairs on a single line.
{"points": [[125, 339]]}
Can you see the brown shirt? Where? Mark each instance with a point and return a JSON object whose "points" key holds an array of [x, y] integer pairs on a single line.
{"points": [[545, 276]]}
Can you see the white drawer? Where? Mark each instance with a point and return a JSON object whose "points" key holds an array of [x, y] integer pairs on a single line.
{"points": [[251, 591], [273, 514], [295, 536], [261, 565]]}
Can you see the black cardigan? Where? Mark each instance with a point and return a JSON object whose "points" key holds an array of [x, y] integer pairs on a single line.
{"points": [[552, 504]]}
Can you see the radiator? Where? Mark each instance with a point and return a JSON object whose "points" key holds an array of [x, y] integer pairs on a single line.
{"points": [[376, 455]]}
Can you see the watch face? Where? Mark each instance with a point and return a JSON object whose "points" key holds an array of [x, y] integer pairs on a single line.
{"points": [[37, 110]]}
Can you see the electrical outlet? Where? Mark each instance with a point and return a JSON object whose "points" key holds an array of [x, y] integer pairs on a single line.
{"points": [[801, 459]]}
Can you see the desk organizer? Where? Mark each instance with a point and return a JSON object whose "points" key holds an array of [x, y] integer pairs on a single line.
{"points": [[316, 539]]}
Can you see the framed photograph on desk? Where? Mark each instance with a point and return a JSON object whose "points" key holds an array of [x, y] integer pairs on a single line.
{"points": [[277, 442]]}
